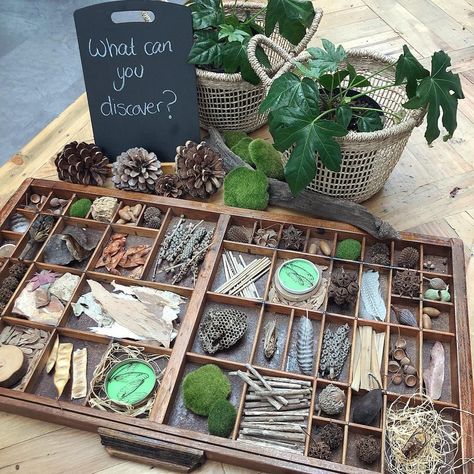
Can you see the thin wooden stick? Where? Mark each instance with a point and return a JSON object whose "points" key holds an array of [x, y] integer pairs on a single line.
{"points": [[274, 413], [273, 392], [281, 399], [250, 382], [284, 436]]}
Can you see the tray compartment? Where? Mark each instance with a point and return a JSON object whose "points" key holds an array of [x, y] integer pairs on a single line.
{"points": [[347, 309], [357, 433], [317, 426], [319, 234], [439, 256], [384, 285]]}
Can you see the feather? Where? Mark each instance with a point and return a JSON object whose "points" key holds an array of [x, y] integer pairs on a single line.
{"points": [[372, 304], [304, 346]]}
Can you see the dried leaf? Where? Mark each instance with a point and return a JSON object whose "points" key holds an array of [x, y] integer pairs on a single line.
{"points": [[63, 364]]}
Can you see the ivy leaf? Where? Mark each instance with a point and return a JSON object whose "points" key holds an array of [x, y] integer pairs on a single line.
{"points": [[356, 80], [409, 68], [301, 127], [327, 59], [206, 14], [292, 17], [206, 49], [333, 81], [344, 115], [290, 90], [441, 89], [231, 33], [369, 121], [234, 59]]}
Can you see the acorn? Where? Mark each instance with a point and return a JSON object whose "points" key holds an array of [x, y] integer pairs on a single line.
{"points": [[405, 361], [313, 248], [325, 247], [35, 198], [399, 354]]}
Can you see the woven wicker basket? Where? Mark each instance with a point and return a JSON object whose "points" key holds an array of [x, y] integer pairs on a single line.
{"points": [[226, 101], [367, 158]]}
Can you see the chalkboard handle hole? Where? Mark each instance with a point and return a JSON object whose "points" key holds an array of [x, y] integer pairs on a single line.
{"points": [[133, 16]]}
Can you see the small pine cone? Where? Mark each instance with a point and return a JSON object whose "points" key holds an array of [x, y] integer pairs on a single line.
{"points": [[169, 185], [320, 450], [379, 248], [200, 168], [238, 233], [82, 163], [136, 170], [10, 283], [408, 257], [380, 259], [5, 295], [154, 223], [18, 270], [151, 212]]}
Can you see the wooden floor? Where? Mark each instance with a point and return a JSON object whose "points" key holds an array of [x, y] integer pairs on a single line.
{"points": [[416, 197]]}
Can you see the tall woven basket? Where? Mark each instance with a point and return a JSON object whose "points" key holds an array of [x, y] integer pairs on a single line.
{"points": [[226, 101], [367, 158]]}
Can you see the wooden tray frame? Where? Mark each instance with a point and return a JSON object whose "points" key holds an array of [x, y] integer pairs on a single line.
{"points": [[228, 450]]}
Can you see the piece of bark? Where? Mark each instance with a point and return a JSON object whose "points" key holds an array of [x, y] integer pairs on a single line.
{"points": [[433, 376], [13, 365], [310, 202]]}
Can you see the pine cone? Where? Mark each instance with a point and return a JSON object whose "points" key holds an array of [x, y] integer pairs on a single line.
{"points": [[238, 233], [200, 168], [136, 170], [408, 257], [154, 223], [151, 212], [82, 163], [380, 259], [169, 185]]}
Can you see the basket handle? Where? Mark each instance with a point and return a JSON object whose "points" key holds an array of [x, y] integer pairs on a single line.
{"points": [[288, 58]]}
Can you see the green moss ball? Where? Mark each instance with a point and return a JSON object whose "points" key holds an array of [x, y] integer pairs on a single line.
{"points": [[348, 249], [232, 137], [80, 208], [246, 188], [241, 149], [267, 159], [222, 416], [203, 387]]}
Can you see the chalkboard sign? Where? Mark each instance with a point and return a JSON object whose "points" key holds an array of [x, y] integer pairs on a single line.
{"points": [[140, 88]]}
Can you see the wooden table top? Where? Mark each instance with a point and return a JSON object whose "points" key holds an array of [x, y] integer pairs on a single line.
{"points": [[416, 196]]}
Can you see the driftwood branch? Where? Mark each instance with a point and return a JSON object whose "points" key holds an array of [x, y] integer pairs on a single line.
{"points": [[309, 202]]}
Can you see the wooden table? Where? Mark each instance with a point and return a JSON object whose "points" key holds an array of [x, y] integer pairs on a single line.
{"points": [[416, 197]]}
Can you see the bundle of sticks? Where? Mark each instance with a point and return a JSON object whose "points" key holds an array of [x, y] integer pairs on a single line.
{"points": [[276, 410]]}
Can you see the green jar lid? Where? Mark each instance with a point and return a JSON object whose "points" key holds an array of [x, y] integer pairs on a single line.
{"points": [[130, 382], [298, 276]]}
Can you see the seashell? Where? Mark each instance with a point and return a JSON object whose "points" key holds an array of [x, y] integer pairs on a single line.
{"points": [[405, 317], [35, 198], [7, 250], [427, 324], [437, 284], [409, 370], [54, 202], [304, 346], [397, 379], [325, 247], [405, 361], [136, 210], [399, 354], [19, 223], [401, 343], [63, 202], [431, 312], [411, 380], [393, 366], [332, 400]]}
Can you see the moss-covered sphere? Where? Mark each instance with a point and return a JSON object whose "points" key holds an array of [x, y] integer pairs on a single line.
{"points": [[241, 149], [266, 158], [246, 188], [203, 387], [80, 208], [348, 249], [232, 137], [222, 416]]}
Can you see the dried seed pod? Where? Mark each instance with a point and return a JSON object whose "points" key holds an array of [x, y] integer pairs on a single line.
{"points": [[399, 354], [325, 247], [411, 380], [79, 374], [270, 340], [313, 248], [332, 400], [437, 284], [405, 316], [393, 366], [400, 343], [408, 257], [405, 361], [409, 370], [52, 356], [431, 312], [427, 324], [54, 202], [397, 379], [63, 364], [368, 408]]}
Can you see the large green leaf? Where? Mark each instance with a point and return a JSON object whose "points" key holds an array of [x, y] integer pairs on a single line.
{"points": [[327, 59], [333, 81], [409, 68], [292, 17], [344, 115], [290, 90], [206, 49], [206, 13], [356, 80], [368, 121], [231, 33], [440, 90], [234, 59], [309, 135]]}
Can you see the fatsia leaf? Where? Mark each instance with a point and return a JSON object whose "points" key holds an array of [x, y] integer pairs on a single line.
{"points": [[368, 121], [409, 68], [344, 115], [440, 90], [356, 80], [262, 57], [206, 49], [234, 59], [327, 59], [333, 81], [292, 17], [231, 33], [290, 90], [309, 135], [206, 14]]}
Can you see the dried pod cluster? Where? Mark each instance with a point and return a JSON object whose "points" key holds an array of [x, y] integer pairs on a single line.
{"points": [[152, 217], [344, 287], [293, 238], [406, 283], [266, 237], [368, 449]]}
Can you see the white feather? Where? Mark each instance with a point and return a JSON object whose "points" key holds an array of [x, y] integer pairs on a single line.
{"points": [[304, 346], [372, 304]]}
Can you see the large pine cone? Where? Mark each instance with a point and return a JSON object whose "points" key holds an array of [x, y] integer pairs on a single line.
{"points": [[136, 170], [82, 163], [200, 168]]}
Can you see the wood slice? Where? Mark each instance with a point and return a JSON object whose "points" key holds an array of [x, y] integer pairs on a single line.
{"points": [[13, 365]]}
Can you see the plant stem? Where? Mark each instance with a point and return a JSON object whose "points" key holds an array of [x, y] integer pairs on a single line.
{"points": [[248, 20], [374, 90], [385, 112]]}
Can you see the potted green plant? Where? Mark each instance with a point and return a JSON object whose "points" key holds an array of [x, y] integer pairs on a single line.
{"points": [[343, 118], [229, 91]]}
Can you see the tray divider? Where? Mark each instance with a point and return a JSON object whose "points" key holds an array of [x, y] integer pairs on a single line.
{"points": [[309, 426], [345, 444], [261, 315], [288, 339], [271, 271]]}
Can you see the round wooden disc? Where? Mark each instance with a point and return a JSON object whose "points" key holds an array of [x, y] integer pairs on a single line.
{"points": [[13, 365]]}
